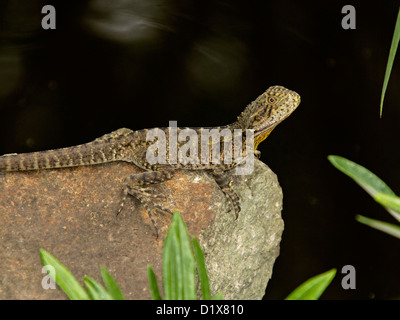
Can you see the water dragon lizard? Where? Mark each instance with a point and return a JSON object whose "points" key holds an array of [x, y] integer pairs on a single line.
{"points": [[262, 115]]}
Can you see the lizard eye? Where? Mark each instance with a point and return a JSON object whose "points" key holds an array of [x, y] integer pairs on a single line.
{"points": [[271, 99]]}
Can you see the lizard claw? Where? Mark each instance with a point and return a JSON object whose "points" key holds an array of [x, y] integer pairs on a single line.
{"points": [[229, 205]]}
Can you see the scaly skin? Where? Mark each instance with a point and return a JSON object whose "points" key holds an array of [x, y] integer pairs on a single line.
{"points": [[262, 116]]}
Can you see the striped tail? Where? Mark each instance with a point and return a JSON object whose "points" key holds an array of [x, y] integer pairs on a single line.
{"points": [[86, 154], [107, 148]]}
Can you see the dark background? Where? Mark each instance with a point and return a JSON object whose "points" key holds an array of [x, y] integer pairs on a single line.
{"points": [[139, 64]]}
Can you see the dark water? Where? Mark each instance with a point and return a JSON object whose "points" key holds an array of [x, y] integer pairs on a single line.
{"points": [[139, 64]]}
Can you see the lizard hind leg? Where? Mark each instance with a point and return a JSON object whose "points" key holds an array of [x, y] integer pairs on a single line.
{"points": [[225, 184], [136, 186]]}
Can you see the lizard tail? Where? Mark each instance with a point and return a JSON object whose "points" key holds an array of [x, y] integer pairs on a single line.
{"points": [[81, 155]]}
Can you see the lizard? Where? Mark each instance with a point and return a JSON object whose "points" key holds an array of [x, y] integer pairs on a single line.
{"points": [[261, 116]]}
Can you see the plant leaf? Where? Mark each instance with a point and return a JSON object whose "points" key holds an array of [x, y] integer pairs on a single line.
{"points": [[386, 227], [201, 269], [392, 54], [168, 266], [95, 289], [111, 285], [388, 200], [171, 264], [367, 180], [218, 296], [313, 287], [64, 278], [154, 291], [188, 261], [179, 276]]}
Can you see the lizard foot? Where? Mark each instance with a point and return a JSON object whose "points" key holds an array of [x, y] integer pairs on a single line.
{"points": [[225, 183], [233, 200], [147, 200]]}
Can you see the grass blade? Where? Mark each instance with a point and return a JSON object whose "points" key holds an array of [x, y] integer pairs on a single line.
{"points": [[367, 180], [111, 285], [169, 265], [313, 287], [386, 227], [201, 269], [188, 262], [218, 296], [179, 276], [64, 278], [392, 54], [154, 291], [95, 289], [371, 183], [388, 200]]}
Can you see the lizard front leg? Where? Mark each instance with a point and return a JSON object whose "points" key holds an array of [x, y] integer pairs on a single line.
{"points": [[225, 183], [136, 185]]}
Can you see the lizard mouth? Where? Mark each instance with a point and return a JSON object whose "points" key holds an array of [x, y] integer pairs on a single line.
{"points": [[261, 130]]}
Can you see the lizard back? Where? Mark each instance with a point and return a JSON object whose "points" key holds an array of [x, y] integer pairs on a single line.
{"points": [[261, 116]]}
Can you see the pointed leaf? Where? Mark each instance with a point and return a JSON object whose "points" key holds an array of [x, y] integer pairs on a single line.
{"points": [[95, 289], [64, 278], [365, 178], [388, 200], [154, 291], [218, 296], [371, 183], [188, 262], [392, 54], [171, 263], [386, 227], [111, 285], [313, 287], [178, 262], [201, 269]]}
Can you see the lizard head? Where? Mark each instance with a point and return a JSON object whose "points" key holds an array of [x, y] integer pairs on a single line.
{"points": [[267, 111]]}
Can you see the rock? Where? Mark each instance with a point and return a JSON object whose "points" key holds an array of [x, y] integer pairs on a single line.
{"points": [[240, 254], [71, 213]]}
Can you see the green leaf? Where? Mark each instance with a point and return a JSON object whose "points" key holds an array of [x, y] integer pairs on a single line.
{"points": [[111, 285], [218, 296], [201, 269], [154, 291], [388, 200], [179, 276], [64, 278], [365, 178], [168, 267], [371, 183], [95, 289], [313, 287], [386, 227], [392, 54], [188, 262]]}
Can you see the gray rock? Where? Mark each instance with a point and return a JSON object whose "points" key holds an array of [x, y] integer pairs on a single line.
{"points": [[240, 254]]}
